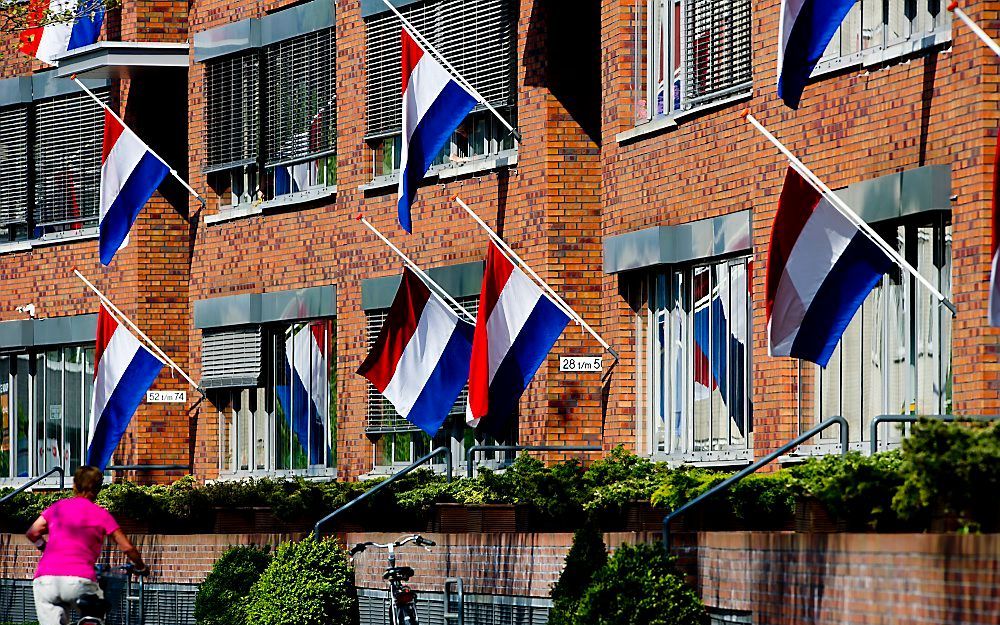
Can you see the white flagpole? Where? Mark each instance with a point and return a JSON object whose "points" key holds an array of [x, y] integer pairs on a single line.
{"points": [[160, 355], [173, 172], [423, 41], [514, 258], [974, 27], [844, 209], [435, 288]]}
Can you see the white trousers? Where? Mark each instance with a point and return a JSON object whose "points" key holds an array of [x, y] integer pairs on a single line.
{"points": [[56, 594]]}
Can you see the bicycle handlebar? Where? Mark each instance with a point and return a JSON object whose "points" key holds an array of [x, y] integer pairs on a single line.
{"points": [[416, 539]]}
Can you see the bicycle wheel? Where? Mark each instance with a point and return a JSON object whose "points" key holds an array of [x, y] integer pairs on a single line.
{"points": [[406, 614]]}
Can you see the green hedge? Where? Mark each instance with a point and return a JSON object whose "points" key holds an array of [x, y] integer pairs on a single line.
{"points": [[222, 596], [941, 471]]}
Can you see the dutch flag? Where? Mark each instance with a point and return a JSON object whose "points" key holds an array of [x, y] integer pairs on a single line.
{"points": [[807, 26], [420, 360], [304, 399], [516, 326], [130, 173], [45, 42], [434, 105], [123, 371], [820, 269]]}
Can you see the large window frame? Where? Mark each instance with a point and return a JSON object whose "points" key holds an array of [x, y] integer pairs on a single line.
{"points": [[694, 362], [271, 127], [899, 342], [689, 54], [50, 153], [479, 37], [261, 427], [46, 405], [876, 31]]}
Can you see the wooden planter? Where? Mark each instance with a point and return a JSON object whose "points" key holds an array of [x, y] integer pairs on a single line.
{"points": [[133, 526], [480, 519], [643, 516], [812, 517], [261, 520]]}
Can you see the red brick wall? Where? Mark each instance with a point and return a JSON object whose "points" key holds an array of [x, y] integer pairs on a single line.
{"points": [[932, 108]]}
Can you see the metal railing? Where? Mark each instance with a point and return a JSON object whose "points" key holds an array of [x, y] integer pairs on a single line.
{"points": [[35, 480], [907, 418], [844, 438], [440, 451], [471, 469]]}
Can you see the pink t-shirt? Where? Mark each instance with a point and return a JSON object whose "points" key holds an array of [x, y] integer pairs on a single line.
{"points": [[77, 527]]}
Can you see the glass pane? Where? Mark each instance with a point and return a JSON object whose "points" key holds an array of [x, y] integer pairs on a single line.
{"points": [[22, 407], [659, 374], [73, 408], [5, 423], [946, 323], [50, 443], [261, 424], [331, 394], [851, 350], [873, 372], [401, 450], [701, 349], [88, 395], [227, 431], [243, 415], [643, 13], [736, 334]]}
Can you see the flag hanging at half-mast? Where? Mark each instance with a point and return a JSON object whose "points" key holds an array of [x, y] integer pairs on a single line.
{"points": [[124, 369], [516, 327], [807, 27], [995, 227], [434, 104], [45, 41], [305, 398], [130, 173], [420, 360], [820, 269]]}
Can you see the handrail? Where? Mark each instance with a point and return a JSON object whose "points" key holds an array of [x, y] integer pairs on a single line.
{"points": [[472, 450], [844, 438], [35, 480], [905, 418], [440, 451]]}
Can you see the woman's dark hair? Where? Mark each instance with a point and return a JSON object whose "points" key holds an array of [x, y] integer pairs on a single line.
{"points": [[87, 481]]}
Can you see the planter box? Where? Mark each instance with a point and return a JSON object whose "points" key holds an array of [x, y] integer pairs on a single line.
{"points": [[133, 526], [642, 516], [480, 519], [260, 520], [812, 517]]}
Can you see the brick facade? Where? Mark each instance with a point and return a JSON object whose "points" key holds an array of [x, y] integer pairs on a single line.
{"points": [[575, 183]]}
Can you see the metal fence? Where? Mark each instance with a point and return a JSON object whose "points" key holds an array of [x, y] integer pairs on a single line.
{"points": [[479, 609]]}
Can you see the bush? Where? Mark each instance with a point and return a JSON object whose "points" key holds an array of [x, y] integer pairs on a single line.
{"points": [[763, 501], [221, 597], [639, 586], [310, 582], [616, 480], [587, 556], [951, 469]]}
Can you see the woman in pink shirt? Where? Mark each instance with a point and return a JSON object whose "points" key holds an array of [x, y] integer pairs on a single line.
{"points": [[76, 528]]}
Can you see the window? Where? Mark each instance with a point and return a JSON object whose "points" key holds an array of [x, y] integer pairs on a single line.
{"points": [[46, 401], [689, 53], [287, 419], [478, 38], [65, 134], [895, 356], [886, 28], [695, 361], [297, 153], [397, 442]]}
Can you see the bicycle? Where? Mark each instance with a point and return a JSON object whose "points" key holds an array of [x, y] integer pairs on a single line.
{"points": [[402, 598], [94, 609]]}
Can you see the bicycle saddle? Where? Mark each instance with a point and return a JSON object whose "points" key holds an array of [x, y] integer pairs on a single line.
{"points": [[92, 605], [399, 572]]}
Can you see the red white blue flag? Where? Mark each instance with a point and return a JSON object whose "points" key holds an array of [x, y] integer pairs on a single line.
{"points": [[420, 360], [130, 173], [807, 27], [516, 327], [994, 282], [46, 41], [434, 104], [305, 399], [820, 269], [124, 370]]}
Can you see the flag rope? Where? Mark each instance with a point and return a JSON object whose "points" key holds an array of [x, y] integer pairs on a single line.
{"points": [[514, 258], [989, 41], [434, 287], [173, 172], [159, 353], [845, 210], [423, 41]]}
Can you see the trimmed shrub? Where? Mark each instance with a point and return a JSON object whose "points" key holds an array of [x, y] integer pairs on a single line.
{"points": [[310, 582], [639, 586], [587, 556], [221, 597]]}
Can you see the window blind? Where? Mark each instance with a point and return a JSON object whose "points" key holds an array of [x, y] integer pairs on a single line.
{"points": [[301, 94], [476, 36], [13, 166], [232, 123], [231, 358], [69, 132], [717, 48]]}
